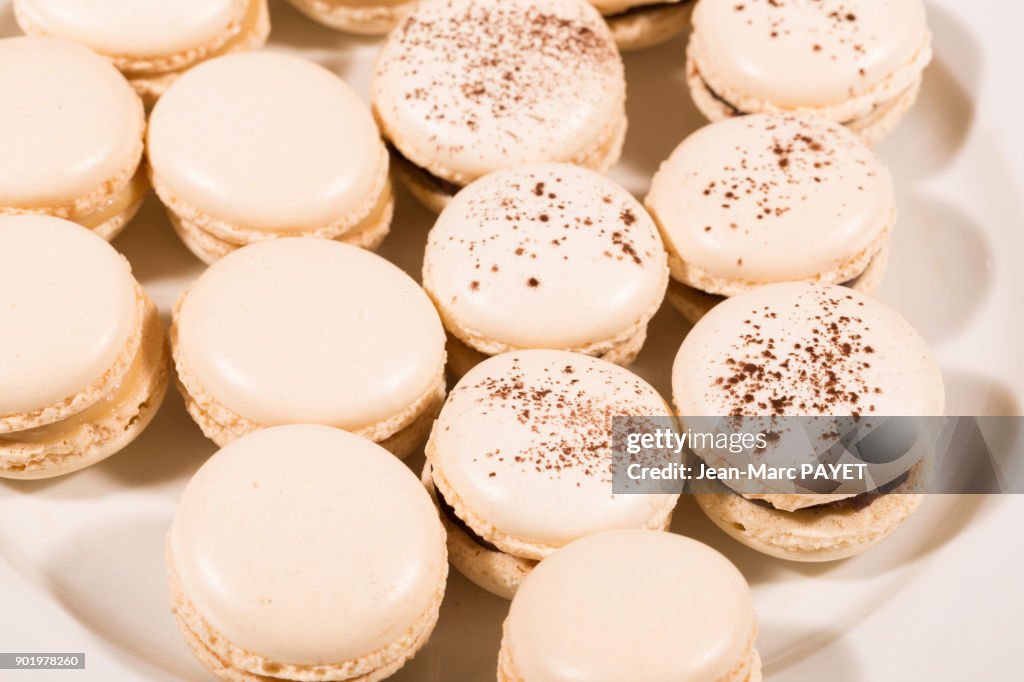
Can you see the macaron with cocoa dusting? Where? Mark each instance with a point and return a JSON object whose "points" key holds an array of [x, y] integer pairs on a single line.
{"points": [[520, 461], [855, 62], [544, 256], [462, 88], [796, 349], [771, 198]]}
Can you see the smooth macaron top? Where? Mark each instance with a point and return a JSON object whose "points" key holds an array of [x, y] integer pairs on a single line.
{"points": [[136, 29], [800, 349], [68, 311], [69, 123], [308, 331], [771, 197], [804, 53], [524, 446], [631, 605], [547, 255], [308, 545], [464, 87], [266, 142]]}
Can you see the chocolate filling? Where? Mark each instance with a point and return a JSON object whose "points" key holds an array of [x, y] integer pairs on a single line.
{"points": [[644, 9], [439, 184], [853, 504], [447, 510], [736, 111]]}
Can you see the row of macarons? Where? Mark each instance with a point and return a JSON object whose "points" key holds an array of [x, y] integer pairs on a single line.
{"points": [[249, 146], [303, 330]]}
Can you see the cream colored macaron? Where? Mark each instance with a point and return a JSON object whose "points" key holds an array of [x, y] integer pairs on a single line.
{"points": [[520, 461], [71, 131], [631, 605], [637, 24], [305, 553], [294, 331], [800, 349], [151, 41], [466, 87], [85, 365], [544, 256], [356, 16], [856, 62], [770, 198], [261, 145]]}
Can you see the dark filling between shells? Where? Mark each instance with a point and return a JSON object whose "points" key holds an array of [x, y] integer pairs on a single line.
{"points": [[645, 9], [439, 184], [447, 510], [853, 504]]}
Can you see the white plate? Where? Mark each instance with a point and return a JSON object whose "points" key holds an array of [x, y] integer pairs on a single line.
{"points": [[84, 554]]}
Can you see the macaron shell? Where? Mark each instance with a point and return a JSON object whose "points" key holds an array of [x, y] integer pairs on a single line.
{"points": [[806, 53], [808, 535], [545, 256], [71, 127], [521, 451], [267, 142], [63, 278], [141, 28], [464, 87], [371, 17], [770, 198], [792, 349], [308, 331], [631, 605], [354, 537], [105, 427]]}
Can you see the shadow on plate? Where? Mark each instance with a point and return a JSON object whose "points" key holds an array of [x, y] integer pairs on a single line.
{"points": [[112, 579], [941, 268], [937, 127]]}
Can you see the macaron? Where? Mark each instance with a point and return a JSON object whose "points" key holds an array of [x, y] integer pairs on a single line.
{"points": [[260, 145], [520, 461], [544, 256], [309, 331], [372, 17], [462, 88], [85, 365], [799, 349], [152, 42], [631, 605], [770, 198], [305, 553], [638, 24], [855, 62], [71, 130]]}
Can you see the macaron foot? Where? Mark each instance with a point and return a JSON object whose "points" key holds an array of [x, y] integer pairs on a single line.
{"points": [[693, 304], [813, 534]]}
